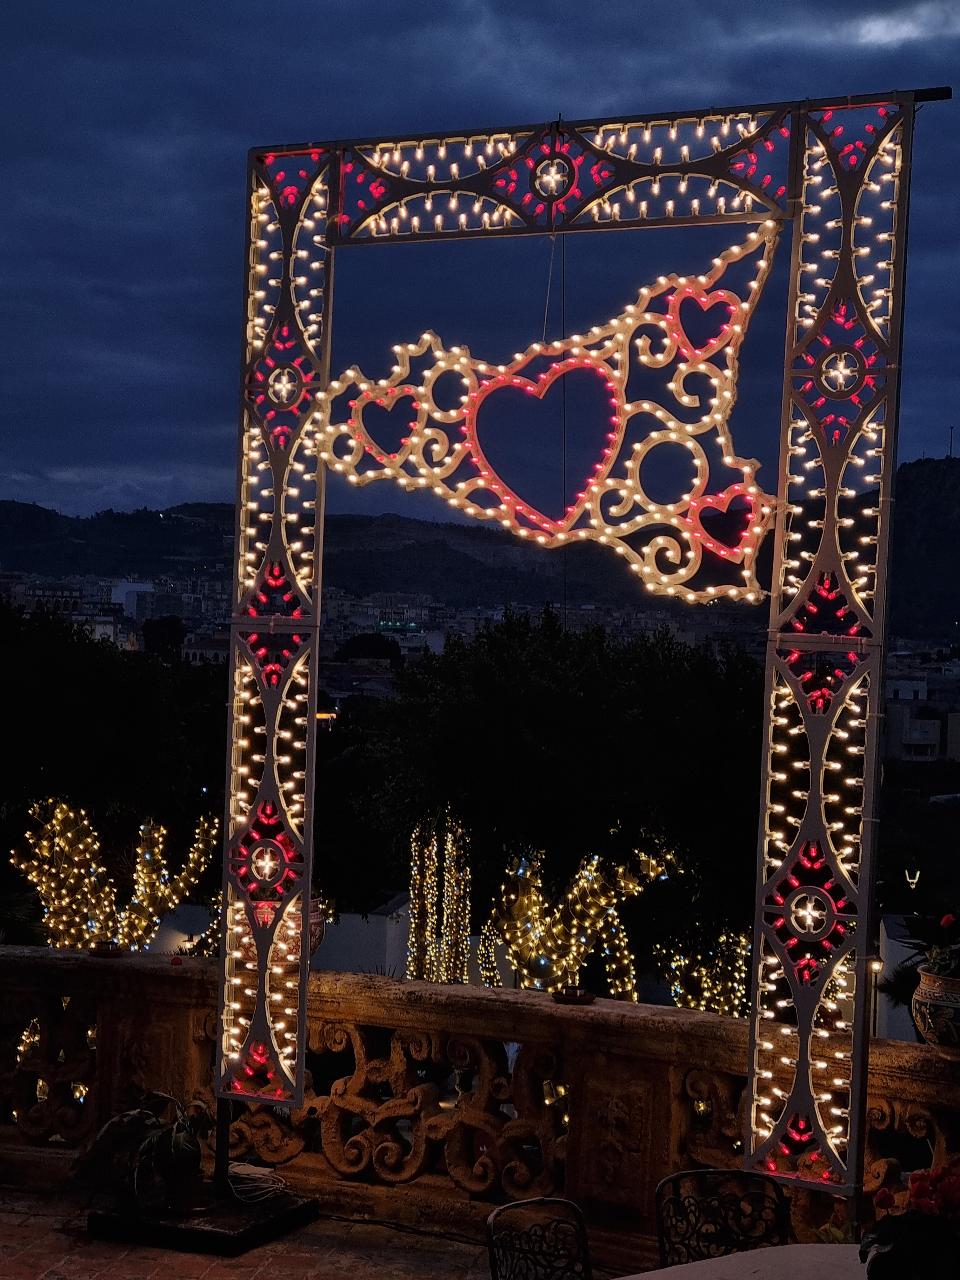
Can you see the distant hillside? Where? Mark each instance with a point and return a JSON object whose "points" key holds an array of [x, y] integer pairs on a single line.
{"points": [[463, 565], [467, 564], [195, 537]]}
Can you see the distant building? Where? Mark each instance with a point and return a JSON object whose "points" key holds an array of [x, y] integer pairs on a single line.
{"points": [[372, 943], [911, 737], [922, 707], [907, 689], [415, 642]]}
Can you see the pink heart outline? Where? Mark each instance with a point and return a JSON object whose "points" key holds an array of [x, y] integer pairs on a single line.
{"points": [[721, 502], [706, 301], [380, 396]]}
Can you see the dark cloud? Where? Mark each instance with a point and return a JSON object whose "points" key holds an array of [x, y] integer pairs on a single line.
{"points": [[126, 127]]}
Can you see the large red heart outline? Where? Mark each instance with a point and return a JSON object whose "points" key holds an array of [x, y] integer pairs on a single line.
{"points": [[539, 387]]}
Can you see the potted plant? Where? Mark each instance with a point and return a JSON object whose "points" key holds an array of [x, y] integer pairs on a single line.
{"points": [[930, 980], [149, 1159], [916, 1237]]}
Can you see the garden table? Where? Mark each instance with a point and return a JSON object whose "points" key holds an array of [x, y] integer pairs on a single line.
{"points": [[788, 1262]]}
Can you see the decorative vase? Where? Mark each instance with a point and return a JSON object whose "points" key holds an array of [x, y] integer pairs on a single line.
{"points": [[936, 1011]]}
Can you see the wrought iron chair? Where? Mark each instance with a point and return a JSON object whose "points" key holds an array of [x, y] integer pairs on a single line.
{"points": [[540, 1239], [707, 1213]]}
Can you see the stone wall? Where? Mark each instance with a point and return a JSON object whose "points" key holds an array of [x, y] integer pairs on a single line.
{"points": [[428, 1104]]}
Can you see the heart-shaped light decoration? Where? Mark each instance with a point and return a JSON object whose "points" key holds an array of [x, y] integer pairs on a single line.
{"points": [[538, 387], [720, 502], [692, 295], [387, 399]]}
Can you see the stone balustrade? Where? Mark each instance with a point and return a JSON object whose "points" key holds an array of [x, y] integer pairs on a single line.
{"points": [[430, 1103]]}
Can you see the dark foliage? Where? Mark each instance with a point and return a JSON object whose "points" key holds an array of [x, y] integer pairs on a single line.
{"points": [[149, 1159], [911, 1246], [900, 984], [934, 943], [917, 836], [163, 637], [370, 646]]}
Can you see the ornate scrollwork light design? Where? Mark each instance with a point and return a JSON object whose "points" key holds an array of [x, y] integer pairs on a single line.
{"points": [[664, 542]]}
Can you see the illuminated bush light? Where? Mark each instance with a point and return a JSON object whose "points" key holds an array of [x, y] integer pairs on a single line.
{"points": [[155, 893], [80, 899], [438, 947], [548, 948], [716, 980]]}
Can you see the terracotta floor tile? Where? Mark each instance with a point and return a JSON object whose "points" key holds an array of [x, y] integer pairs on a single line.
{"points": [[96, 1252], [298, 1256], [43, 1259], [69, 1269], [186, 1266], [21, 1270], [26, 1231], [51, 1242], [130, 1269], [228, 1269], [47, 1240]]}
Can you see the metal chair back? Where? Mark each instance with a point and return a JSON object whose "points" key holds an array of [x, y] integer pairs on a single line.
{"points": [[708, 1213], [539, 1239]]}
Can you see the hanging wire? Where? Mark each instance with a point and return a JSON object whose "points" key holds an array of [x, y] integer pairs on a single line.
{"points": [[546, 301], [557, 129]]}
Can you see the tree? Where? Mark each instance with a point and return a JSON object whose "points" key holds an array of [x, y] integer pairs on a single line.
{"points": [[439, 936], [370, 646], [164, 637]]}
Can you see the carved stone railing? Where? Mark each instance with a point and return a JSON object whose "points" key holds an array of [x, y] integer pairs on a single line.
{"points": [[430, 1103], [82, 1037]]}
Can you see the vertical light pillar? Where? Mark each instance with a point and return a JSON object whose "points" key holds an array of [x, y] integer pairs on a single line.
{"points": [[824, 669], [274, 635]]}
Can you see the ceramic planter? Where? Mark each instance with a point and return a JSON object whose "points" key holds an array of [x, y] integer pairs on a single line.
{"points": [[936, 1011]]}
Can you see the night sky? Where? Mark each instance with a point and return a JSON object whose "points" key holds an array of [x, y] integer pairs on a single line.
{"points": [[126, 127]]}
